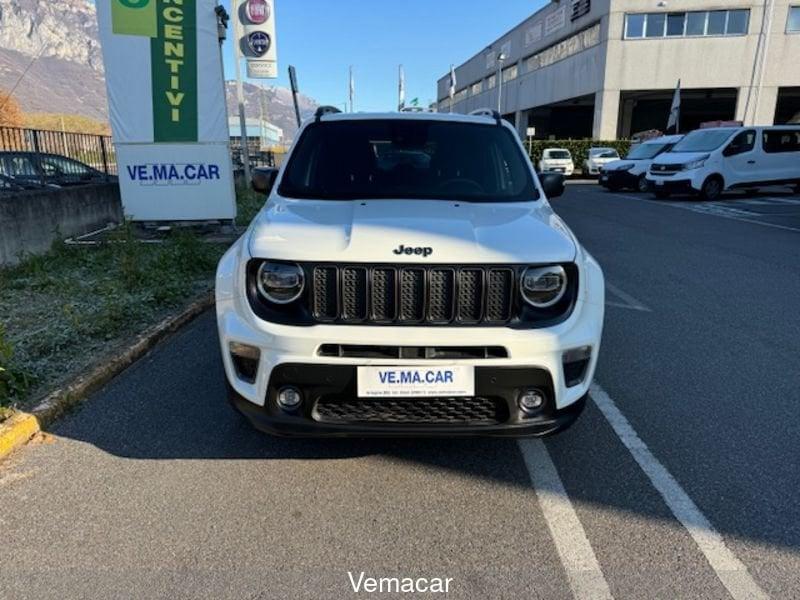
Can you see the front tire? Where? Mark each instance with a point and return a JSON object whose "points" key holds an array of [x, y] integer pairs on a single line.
{"points": [[642, 185], [712, 188]]}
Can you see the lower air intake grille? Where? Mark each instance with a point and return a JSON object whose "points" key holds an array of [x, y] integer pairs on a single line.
{"points": [[474, 410]]}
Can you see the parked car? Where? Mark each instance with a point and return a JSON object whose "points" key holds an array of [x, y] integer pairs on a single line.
{"points": [[631, 171], [597, 158], [49, 169], [709, 161], [556, 160], [12, 184], [421, 307]]}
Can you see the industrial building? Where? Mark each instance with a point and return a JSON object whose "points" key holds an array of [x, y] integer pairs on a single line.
{"points": [[608, 68]]}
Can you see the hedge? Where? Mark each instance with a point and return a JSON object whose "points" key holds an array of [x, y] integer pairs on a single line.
{"points": [[578, 148]]}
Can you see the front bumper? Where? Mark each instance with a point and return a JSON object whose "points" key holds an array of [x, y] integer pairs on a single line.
{"points": [[537, 353], [616, 180], [336, 385]]}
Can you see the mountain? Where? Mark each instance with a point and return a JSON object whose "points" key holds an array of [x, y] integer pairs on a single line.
{"points": [[57, 42], [278, 105]]}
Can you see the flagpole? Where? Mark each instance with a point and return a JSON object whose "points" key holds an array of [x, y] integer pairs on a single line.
{"points": [[352, 90]]}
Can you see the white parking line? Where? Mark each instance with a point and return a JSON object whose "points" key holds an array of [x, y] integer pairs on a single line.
{"points": [[628, 301], [694, 209], [577, 556], [730, 570]]}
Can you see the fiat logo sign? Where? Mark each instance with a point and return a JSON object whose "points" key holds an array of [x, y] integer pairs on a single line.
{"points": [[257, 11], [259, 43]]}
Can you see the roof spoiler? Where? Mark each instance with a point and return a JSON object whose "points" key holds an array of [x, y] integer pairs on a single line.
{"points": [[325, 110], [487, 112]]}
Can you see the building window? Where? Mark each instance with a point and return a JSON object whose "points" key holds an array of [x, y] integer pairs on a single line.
{"points": [[696, 23], [737, 22], [491, 82], [676, 22], [476, 88], [510, 73], [634, 26], [794, 19], [579, 42], [655, 25]]}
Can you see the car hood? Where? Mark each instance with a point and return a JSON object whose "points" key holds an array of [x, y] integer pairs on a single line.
{"points": [[601, 161], [614, 165], [371, 231], [678, 158]]}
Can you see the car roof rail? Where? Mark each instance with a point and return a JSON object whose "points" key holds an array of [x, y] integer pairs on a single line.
{"points": [[325, 110], [486, 112]]}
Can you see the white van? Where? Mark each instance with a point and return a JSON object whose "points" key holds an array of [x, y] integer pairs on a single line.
{"points": [[631, 171], [710, 161], [557, 160]]}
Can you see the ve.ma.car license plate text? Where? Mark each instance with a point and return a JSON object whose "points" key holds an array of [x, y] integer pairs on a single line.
{"points": [[416, 381]]}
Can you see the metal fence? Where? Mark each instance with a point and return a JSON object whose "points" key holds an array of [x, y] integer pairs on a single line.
{"points": [[96, 151]]}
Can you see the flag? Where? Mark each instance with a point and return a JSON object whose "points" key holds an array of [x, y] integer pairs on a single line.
{"points": [[675, 110], [401, 92], [352, 89], [452, 85]]}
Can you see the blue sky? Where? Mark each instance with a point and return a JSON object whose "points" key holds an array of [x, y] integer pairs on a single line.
{"points": [[323, 37]]}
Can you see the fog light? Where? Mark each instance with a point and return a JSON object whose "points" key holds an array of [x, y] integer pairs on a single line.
{"points": [[530, 401], [245, 360], [576, 363], [289, 397]]}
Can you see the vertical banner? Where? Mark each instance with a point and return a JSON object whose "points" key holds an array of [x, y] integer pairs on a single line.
{"points": [[258, 43], [167, 108]]}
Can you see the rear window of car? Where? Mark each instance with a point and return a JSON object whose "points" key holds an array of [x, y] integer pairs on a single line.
{"points": [[408, 159], [558, 154]]}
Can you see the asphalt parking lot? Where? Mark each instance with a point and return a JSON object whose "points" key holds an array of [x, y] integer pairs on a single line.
{"points": [[680, 480]]}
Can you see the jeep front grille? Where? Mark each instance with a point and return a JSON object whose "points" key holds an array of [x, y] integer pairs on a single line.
{"points": [[412, 295]]}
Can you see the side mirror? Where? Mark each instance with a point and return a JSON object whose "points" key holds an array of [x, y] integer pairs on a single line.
{"points": [[552, 184], [263, 178]]}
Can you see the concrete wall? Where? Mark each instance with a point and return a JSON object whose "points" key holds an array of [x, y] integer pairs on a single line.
{"points": [[707, 62], [515, 41], [31, 221], [617, 64]]}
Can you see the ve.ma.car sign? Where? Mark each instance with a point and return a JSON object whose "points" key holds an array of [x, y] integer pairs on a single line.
{"points": [[167, 108]]}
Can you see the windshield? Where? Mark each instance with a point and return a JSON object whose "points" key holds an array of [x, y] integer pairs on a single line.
{"points": [[414, 159], [606, 154], [645, 151], [703, 140], [558, 154]]}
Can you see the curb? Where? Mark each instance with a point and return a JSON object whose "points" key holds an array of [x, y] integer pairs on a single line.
{"points": [[20, 428]]}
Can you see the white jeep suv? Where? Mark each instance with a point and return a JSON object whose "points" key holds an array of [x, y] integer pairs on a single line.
{"points": [[407, 276]]}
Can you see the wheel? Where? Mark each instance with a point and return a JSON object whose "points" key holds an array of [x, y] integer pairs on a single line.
{"points": [[712, 188], [641, 184]]}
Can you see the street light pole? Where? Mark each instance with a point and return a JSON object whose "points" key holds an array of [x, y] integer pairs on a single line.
{"points": [[500, 60], [240, 94]]}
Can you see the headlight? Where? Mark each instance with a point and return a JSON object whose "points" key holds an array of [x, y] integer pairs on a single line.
{"points": [[280, 283], [624, 167], [543, 286], [695, 164]]}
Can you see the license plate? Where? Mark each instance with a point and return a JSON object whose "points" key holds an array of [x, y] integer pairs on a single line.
{"points": [[659, 182], [416, 381], [558, 170], [604, 178]]}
